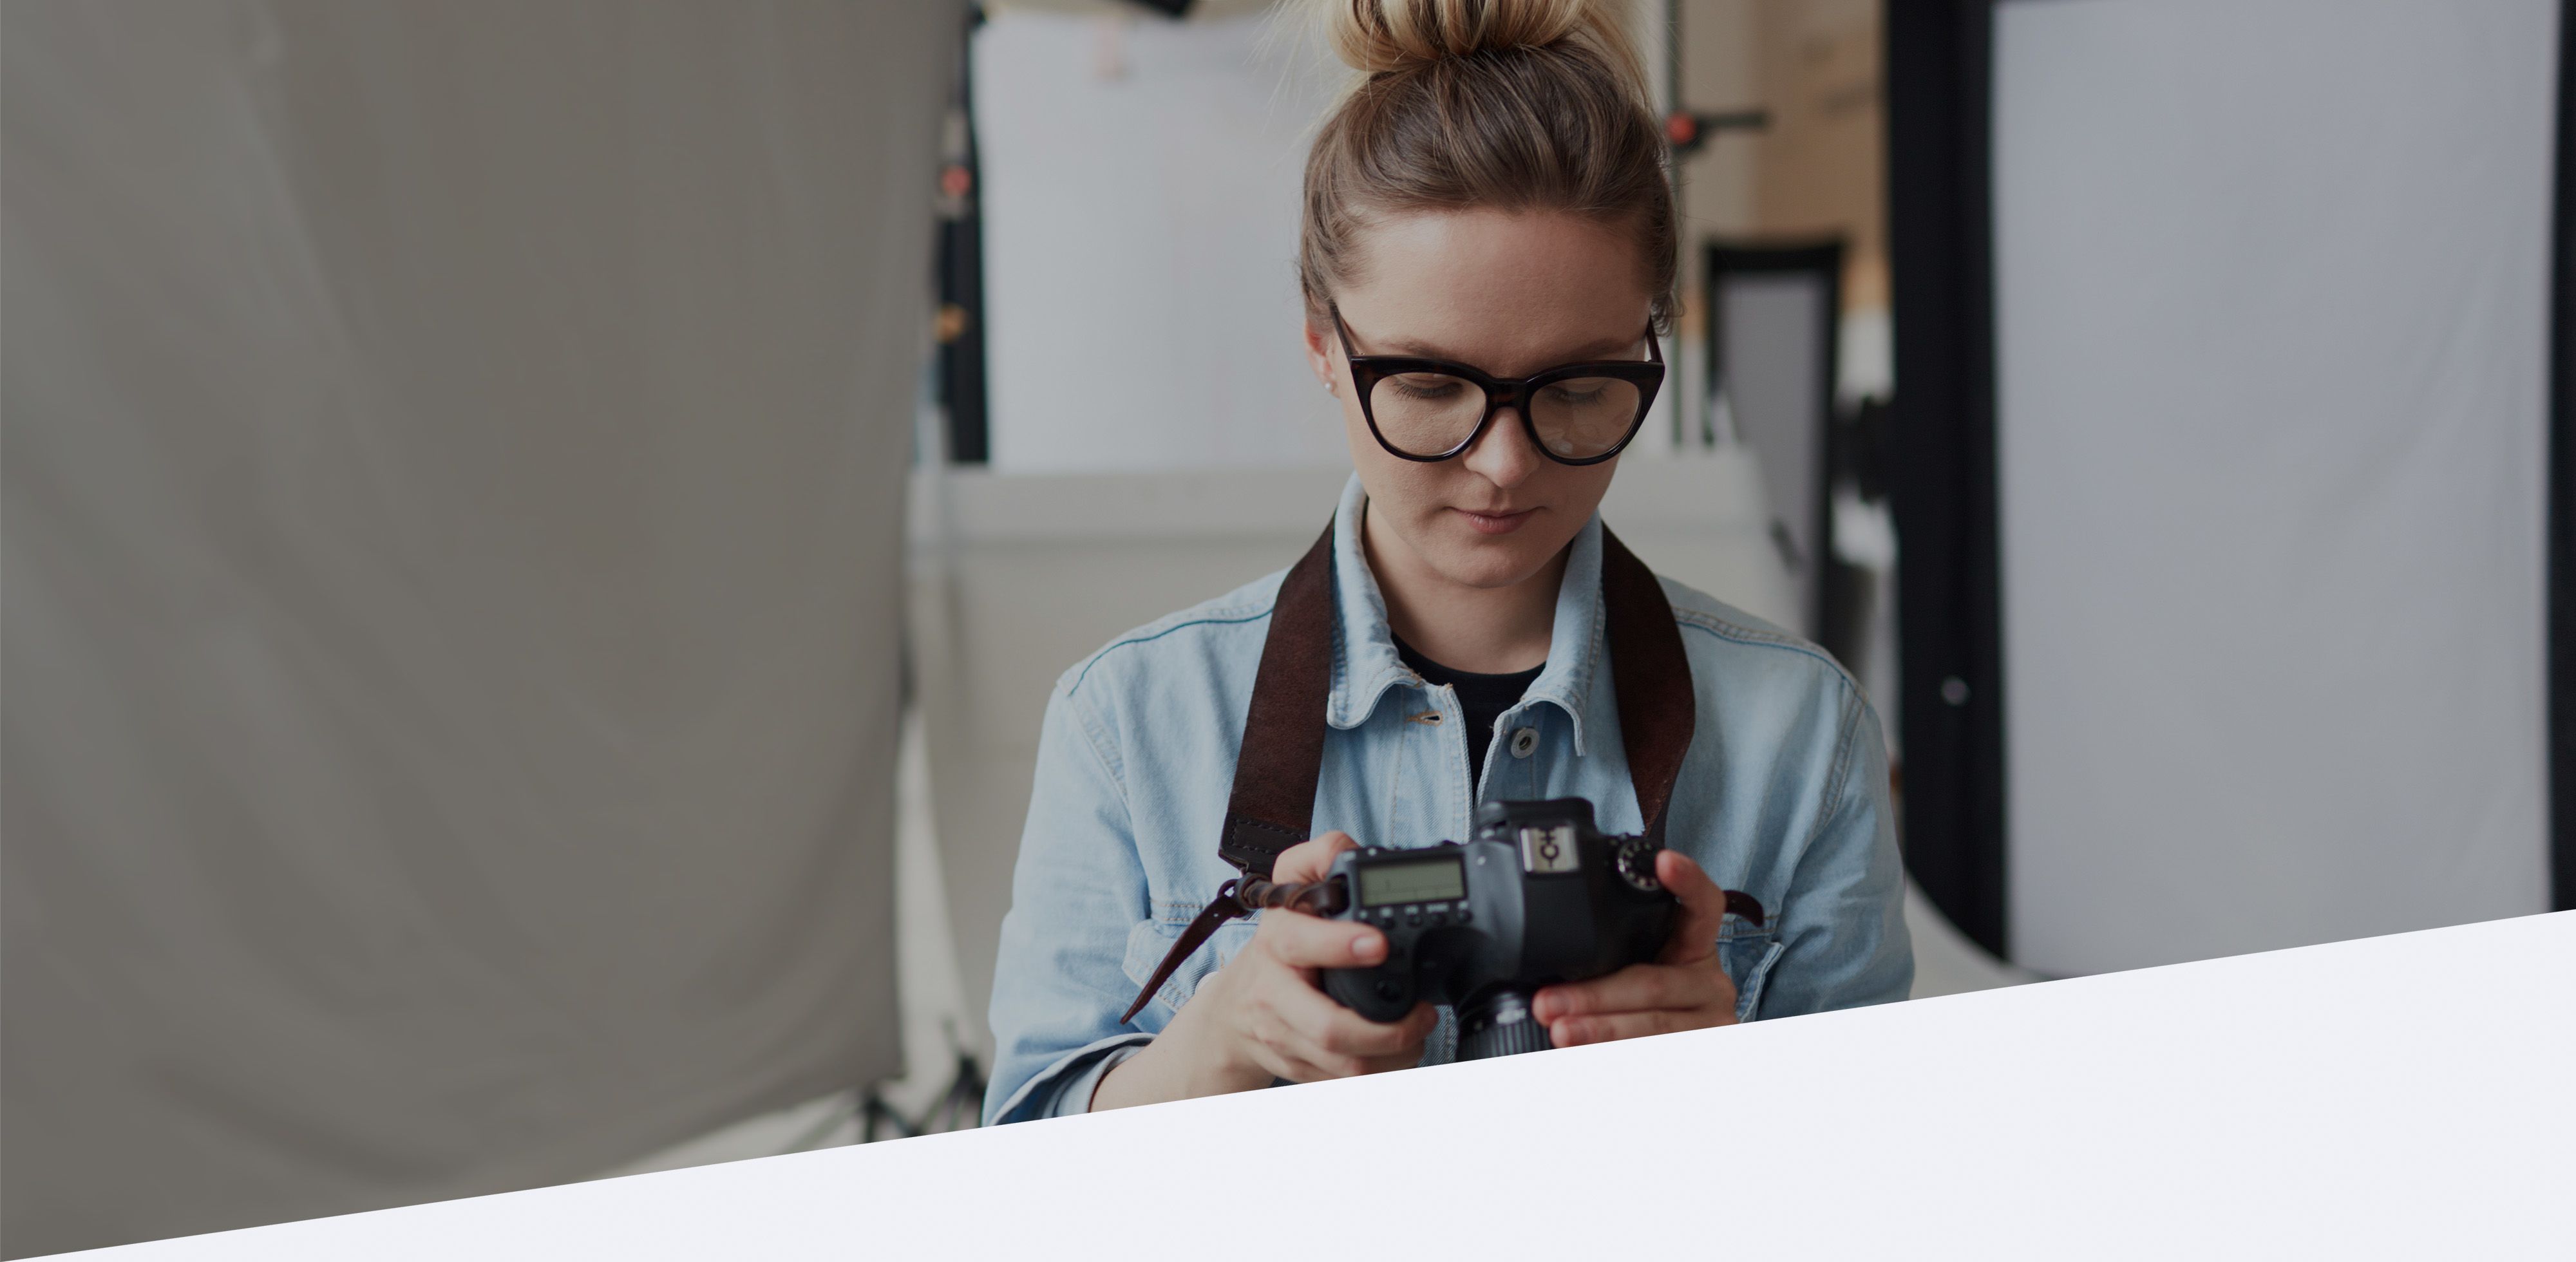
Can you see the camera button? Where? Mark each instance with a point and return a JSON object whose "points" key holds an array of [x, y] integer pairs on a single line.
{"points": [[1438, 920], [1524, 742], [1465, 915]]}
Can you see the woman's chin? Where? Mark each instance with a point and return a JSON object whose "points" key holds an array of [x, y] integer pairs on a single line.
{"points": [[1487, 562]]}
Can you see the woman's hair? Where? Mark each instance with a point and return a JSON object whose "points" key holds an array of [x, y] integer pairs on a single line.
{"points": [[1497, 104]]}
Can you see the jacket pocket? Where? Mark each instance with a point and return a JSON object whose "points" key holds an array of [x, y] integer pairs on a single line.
{"points": [[1148, 941], [1747, 954]]}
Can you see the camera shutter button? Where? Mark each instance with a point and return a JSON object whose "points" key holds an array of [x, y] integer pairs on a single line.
{"points": [[1524, 741]]}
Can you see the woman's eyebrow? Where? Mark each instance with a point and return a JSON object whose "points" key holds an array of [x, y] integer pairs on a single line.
{"points": [[1612, 348], [1606, 349]]}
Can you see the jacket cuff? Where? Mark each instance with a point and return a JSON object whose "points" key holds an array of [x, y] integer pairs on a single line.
{"points": [[1064, 1088]]}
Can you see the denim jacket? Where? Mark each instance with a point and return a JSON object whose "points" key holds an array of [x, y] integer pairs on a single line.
{"points": [[1783, 794]]}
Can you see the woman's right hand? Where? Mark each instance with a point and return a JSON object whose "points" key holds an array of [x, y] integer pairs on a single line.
{"points": [[1264, 1016]]}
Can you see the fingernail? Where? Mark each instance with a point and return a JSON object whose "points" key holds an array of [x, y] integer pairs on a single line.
{"points": [[1368, 946]]}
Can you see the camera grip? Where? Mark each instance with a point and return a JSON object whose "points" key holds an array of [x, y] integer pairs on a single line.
{"points": [[1382, 995]]}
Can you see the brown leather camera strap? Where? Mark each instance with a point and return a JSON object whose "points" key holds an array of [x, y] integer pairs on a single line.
{"points": [[1282, 757], [1650, 672]]}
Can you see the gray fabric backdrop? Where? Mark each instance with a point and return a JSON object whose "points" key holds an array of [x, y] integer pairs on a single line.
{"points": [[453, 474], [2272, 308]]}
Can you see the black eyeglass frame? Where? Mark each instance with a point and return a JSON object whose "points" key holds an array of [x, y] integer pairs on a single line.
{"points": [[1367, 370]]}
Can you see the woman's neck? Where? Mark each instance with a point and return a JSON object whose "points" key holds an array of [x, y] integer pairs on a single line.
{"points": [[1480, 630]]}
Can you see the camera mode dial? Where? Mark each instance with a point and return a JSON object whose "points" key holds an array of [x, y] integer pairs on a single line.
{"points": [[1637, 864]]}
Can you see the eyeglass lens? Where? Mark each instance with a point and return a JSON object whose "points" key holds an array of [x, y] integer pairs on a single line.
{"points": [[1427, 414]]}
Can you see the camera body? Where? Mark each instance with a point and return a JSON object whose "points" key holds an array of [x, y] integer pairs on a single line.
{"points": [[1538, 896]]}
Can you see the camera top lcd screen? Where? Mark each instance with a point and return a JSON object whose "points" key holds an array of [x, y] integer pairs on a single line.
{"points": [[1423, 881]]}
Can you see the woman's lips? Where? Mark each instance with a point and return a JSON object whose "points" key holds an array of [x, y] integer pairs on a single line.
{"points": [[1495, 523]]}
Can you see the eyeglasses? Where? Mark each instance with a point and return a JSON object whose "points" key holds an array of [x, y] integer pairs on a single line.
{"points": [[1431, 409]]}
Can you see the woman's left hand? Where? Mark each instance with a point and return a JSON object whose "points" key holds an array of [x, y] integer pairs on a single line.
{"points": [[1684, 989]]}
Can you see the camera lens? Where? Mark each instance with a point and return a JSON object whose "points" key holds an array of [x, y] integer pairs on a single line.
{"points": [[1498, 1023]]}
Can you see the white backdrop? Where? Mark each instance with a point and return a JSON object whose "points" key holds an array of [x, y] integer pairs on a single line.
{"points": [[2271, 312], [1773, 379], [1140, 204]]}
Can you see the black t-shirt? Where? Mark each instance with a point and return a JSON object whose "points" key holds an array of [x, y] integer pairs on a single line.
{"points": [[1483, 697]]}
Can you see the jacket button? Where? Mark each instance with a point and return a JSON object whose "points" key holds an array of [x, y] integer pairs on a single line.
{"points": [[1524, 741]]}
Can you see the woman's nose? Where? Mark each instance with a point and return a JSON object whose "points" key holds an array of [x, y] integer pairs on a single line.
{"points": [[1503, 454]]}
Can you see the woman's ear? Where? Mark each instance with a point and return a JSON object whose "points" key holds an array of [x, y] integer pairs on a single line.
{"points": [[1317, 357]]}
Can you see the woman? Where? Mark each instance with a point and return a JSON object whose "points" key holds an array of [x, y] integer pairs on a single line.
{"points": [[1490, 196]]}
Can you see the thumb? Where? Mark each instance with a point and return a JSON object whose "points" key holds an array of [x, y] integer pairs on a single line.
{"points": [[1308, 861], [1703, 909]]}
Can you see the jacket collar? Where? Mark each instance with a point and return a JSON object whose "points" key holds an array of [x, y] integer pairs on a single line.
{"points": [[1365, 663]]}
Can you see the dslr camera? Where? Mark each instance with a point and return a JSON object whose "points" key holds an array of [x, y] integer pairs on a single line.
{"points": [[1539, 896]]}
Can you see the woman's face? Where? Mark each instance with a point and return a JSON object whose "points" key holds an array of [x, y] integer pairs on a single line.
{"points": [[1511, 294]]}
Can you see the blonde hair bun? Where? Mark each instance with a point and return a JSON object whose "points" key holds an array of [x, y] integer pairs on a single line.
{"points": [[1510, 105], [1385, 36]]}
